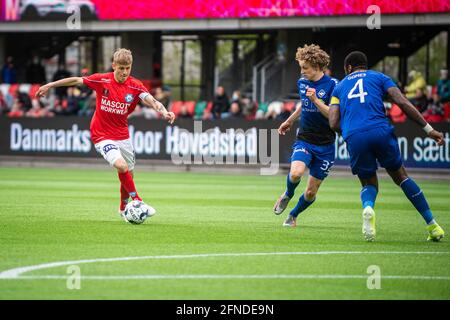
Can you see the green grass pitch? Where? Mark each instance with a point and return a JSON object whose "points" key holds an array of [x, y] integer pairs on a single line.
{"points": [[60, 215]]}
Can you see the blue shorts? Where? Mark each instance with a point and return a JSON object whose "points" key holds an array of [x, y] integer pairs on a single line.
{"points": [[366, 147], [319, 159]]}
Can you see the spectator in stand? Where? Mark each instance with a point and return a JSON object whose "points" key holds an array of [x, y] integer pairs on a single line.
{"points": [[184, 112], [61, 73], [16, 110], [435, 111], [35, 111], [150, 113], [38, 110], [274, 109], [235, 111], [85, 91], [73, 100], [163, 96], [9, 73], [416, 82], [23, 99], [4, 106], [420, 100], [221, 105], [443, 87], [88, 106], [35, 73], [236, 97], [8, 99], [284, 114], [59, 107], [245, 105]]}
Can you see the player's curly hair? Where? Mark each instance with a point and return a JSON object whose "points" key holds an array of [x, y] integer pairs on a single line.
{"points": [[315, 56], [122, 56]]}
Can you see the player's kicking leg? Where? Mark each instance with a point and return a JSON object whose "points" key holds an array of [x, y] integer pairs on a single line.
{"points": [[127, 187], [120, 155], [292, 181], [306, 199], [417, 198], [368, 196]]}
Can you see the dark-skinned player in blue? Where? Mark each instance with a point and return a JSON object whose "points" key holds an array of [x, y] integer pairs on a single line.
{"points": [[315, 144], [358, 113]]}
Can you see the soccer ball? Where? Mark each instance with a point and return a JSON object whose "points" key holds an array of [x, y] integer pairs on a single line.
{"points": [[136, 212]]}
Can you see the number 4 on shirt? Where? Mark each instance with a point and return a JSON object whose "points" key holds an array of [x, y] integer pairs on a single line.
{"points": [[361, 93]]}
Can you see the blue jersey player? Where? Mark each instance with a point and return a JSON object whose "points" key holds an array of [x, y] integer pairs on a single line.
{"points": [[357, 111], [314, 147]]}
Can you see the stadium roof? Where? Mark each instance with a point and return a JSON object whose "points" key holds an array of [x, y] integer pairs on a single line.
{"points": [[227, 24]]}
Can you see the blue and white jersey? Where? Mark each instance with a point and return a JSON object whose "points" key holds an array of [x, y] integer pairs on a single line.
{"points": [[360, 99], [313, 125]]}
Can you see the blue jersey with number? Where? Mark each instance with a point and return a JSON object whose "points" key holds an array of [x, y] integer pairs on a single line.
{"points": [[314, 127], [360, 99]]}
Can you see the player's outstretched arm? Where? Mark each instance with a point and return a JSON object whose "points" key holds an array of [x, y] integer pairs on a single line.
{"points": [[334, 118], [412, 113], [286, 125], [150, 101], [323, 108], [67, 82]]}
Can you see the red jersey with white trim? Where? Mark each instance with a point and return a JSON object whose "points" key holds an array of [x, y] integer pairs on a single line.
{"points": [[115, 101]]}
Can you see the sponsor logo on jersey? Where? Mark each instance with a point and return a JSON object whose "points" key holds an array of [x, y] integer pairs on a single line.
{"points": [[115, 107], [129, 97], [301, 150], [109, 147]]}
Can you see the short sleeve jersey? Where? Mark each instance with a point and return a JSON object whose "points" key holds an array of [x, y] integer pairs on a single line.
{"points": [[115, 101], [360, 99], [313, 126]]}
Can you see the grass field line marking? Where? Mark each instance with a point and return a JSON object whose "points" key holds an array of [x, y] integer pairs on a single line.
{"points": [[230, 276], [17, 272]]}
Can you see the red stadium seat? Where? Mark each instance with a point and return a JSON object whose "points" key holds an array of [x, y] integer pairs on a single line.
{"points": [[33, 90], [13, 88], [289, 106], [190, 106], [447, 110], [176, 106], [397, 114]]}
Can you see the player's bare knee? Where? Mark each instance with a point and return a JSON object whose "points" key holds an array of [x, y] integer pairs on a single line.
{"points": [[310, 194], [121, 165], [398, 176], [296, 175]]}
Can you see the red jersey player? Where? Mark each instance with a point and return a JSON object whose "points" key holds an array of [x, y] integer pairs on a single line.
{"points": [[117, 96]]}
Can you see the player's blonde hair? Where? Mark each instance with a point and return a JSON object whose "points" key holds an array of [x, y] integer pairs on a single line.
{"points": [[313, 55], [122, 56]]}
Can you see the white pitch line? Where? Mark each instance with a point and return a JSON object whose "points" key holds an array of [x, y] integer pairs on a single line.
{"points": [[230, 276], [17, 272]]}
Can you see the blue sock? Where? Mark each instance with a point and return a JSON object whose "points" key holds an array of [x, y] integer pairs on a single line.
{"points": [[301, 206], [417, 198], [290, 186], [368, 196]]}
